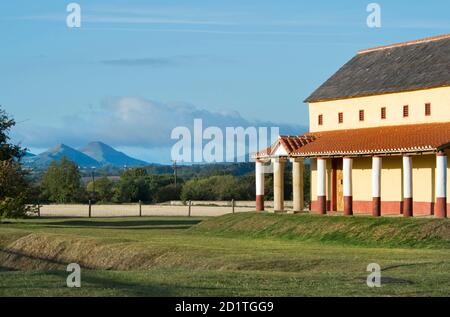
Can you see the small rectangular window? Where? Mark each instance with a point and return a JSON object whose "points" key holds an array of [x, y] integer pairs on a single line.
{"points": [[340, 117], [428, 109], [320, 119], [361, 115], [405, 111], [383, 113]]}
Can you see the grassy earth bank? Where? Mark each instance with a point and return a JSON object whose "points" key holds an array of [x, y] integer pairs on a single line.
{"points": [[242, 254]]}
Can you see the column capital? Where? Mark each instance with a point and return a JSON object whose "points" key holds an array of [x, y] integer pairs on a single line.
{"points": [[441, 153], [296, 159], [278, 159]]}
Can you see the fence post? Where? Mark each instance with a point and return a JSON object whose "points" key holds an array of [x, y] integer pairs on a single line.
{"points": [[232, 205], [39, 209], [190, 204], [90, 206], [140, 208]]}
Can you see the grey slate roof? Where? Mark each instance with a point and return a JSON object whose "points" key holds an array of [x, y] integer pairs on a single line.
{"points": [[390, 69]]}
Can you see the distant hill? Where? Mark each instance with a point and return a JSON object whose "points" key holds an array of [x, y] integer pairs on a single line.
{"points": [[107, 155], [94, 154], [56, 153], [29, 154]]}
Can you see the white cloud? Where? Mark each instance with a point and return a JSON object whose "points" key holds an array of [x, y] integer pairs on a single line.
{"points": [[132, 122]]}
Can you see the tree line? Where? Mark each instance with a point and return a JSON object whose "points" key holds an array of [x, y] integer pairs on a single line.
{"points": [[63, 183]]}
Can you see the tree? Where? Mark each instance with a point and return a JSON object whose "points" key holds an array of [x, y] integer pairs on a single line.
{"points": [[131, 189], [135, 184], [14, 188], [61, 182], [223, 187], [14, 191], [104, 189], [8, 151], [167, 193]]}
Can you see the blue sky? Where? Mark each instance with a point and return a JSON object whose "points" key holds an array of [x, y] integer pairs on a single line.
{"points": [[136, 69]]}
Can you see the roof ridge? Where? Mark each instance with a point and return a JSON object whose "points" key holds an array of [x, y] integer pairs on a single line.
{"points": [[412, 42]]}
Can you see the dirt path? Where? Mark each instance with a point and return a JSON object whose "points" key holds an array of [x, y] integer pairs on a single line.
{"points": [[133, 210]]}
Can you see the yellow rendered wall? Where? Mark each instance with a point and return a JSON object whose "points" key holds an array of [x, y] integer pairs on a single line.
{"points": [[391, 179], [448, 178], [438, 97], [362, 179], [424, 178]]}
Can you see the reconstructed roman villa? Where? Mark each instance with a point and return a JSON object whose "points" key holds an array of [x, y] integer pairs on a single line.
{"points": [[379, 136]]}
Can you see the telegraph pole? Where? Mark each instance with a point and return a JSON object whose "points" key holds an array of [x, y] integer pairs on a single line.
{"points": [[174, 166], [93, 183]]}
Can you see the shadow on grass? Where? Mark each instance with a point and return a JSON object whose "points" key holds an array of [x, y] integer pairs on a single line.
{"points": [[142, 228], [6, 269], [106, 280], [13, 254], [392, 267], [93, 283], [131, 224]]}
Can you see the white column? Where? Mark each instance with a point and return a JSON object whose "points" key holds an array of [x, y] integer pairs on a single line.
{"points": [[259, 182], [348, 185], [441, 186], [407, 186], [297, 184], [278, 184], [376, 186], [321, 186]]}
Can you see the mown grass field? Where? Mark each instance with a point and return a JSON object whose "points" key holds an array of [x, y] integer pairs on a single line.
{"points": [[233, 255]]}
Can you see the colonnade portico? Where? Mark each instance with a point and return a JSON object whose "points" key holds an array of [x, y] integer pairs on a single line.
{"points": [[321, 206], [278, 167]]}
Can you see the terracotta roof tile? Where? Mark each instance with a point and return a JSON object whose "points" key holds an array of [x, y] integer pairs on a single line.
{"points": [[290, 143], [378, 140]]}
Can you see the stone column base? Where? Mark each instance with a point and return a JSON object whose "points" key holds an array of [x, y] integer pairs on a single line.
{"points": [[348, 205], [376, 206], [322, 204], [259, 202], [440, 209], [407, 207]]}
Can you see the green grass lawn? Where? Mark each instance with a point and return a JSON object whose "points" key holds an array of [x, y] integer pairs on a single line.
{"points": [[226, 256]]}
